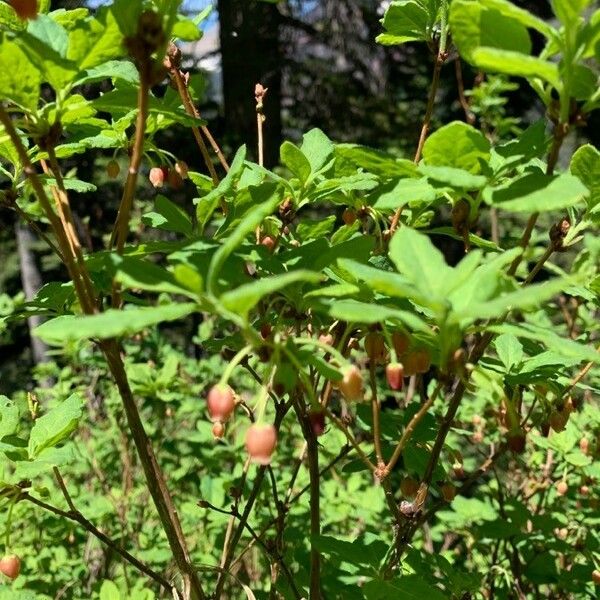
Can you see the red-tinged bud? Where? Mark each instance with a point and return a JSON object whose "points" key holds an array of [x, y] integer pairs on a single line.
{"points": [[221, 403], [10, 566], [260, 443], [182, 169], [401, 342], [326, 338], [562, 488], [25, 9], [349, 216], [596, 576], [516, 441], [477, 437], [113, 169], [268, 242], [584, 445], [317, 422], [558, 420], [218, 430], [175, 180], [423, 360], [265, 330], [394, 373], [448, 492], [351, 384], [375, 346], [545, 429], [157, 176]]}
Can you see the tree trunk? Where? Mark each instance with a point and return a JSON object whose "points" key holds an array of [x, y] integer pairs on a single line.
{"points": [[251, 54], [32, 282]]}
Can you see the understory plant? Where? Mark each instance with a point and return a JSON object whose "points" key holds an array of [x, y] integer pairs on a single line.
{"points": [[352, 375]]}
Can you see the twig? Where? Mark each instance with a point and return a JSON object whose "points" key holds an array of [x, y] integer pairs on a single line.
{"points": [[351, 439], [312, 453], [231, 522], [343, 452], [154, 476], [237, 534], [376, 411], [408, 431], [173, 63], [433, 89], [191, 110], [40, 192], [64, 210], [37, 229], [76, 516], [259, 94], [469, 116], [560, 132], [119, 233], [584, 371]]}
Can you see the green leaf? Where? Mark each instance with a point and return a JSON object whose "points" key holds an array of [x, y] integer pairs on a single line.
{"points": [[414, 192], [116, 70], [375, 161], [407, 587], [45, 42], [21, 82], [189, 277], [126, 15], [265, 198], [70, 183], [585, 164], [186, 29], [206, 205], [109, 591], [9, 19], [475, 25], [328, 188], [293, 158], [525, 298], [568, 11], [9, 417], [486, 282], [363, 312], [136, 273], [492, 35], [111, 323], [245, 297], [536, 192], [419, 261], [56, 425], [169, 217], [509, 349], [512, 11], [453, 177], [404, 21], [560, 344], [457, 145], [514, 63], [50, 33], [311, 230], [388, 283], [46, 460], [122, 101], [95, 41], [317, 147]]}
